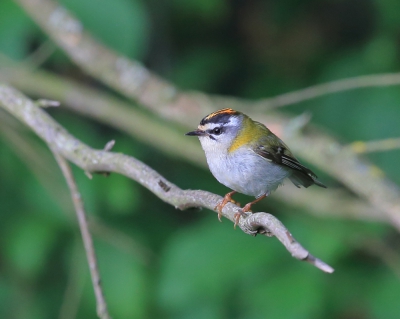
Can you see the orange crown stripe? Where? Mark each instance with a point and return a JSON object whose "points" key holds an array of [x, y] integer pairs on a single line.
{"points": [[223, 111]]}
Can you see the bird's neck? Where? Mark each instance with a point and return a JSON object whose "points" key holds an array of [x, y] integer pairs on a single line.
{"points": [[245, 136]]}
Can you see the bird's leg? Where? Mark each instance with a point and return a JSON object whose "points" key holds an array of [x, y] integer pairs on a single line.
{"points": [[247, 207], [227, 198]]}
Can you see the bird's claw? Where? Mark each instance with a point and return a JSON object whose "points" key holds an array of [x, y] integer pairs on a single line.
{"points": [[237, 218], [219, 208], [241, 213], [227, 198]]}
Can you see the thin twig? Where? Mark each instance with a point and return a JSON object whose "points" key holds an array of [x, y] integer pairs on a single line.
{"points": [[36, 157], [64, 144], [102, 311], [47, 103], [312, 92], [375, 146], [41, 54]]}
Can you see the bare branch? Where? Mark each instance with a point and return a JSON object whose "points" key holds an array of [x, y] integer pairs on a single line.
{"points": [[119, 114], [135, 81], [36, 156], [312, 92], [364, 178], [102, 311], [375, 146], [91, 160], [101, 106], [108, 147], [47, 103], [267, 224], [41, 54], [129, 77]]}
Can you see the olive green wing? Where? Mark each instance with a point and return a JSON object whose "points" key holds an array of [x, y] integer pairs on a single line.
{"points": [[273, 149]]}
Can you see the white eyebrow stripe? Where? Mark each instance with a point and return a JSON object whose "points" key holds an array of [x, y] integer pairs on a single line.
{"points": [[209, 126], [232, 122]]}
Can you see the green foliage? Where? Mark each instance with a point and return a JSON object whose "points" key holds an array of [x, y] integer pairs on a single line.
{"points": [[29, 245], [157, 262], [383, 296], [202, 69], [106, 19], [208, 10], [388, 17], [14, 28], [201, 261], [275, 296], [125, 283]]}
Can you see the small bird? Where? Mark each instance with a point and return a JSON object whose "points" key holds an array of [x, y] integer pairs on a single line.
{"points": [[247, 157]]}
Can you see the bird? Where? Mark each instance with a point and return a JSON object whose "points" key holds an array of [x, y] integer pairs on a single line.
{"points": [[245, 156]]}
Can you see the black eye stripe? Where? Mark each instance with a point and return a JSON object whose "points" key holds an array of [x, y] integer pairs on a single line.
{"points": [[215, 131]]}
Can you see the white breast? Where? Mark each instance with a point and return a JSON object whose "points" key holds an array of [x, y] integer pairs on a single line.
{"points": [[246, 172]]}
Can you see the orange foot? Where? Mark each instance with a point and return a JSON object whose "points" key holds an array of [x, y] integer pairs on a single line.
{"points": [[221, 204], [246, 209]]}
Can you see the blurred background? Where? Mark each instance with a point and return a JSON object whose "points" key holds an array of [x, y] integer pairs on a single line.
{"points": [[159, 262]]}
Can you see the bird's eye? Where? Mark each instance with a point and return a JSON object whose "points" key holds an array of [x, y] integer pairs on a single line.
{"points": [[216, 131]]}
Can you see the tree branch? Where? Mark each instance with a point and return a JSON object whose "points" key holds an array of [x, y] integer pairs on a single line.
{"points": [[102, 311], [136, 82], [312, 92], [161, 135], [387, 144], [269, 225], [92, 161], [132, 79], [116, 71]]}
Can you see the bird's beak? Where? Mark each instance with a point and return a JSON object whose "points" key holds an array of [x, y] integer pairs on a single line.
{"points": [[197, 133]]}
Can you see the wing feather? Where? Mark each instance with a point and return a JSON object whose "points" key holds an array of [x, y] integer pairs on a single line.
{"points": [[302, 175]]}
